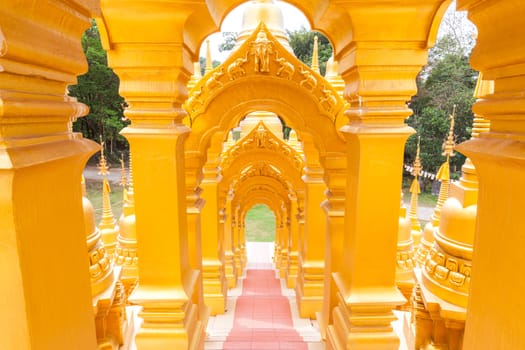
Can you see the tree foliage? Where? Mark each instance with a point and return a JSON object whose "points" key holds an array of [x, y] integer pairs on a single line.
{"points": [[446, 82], [302, 43], [98, 89], [230, 38]]}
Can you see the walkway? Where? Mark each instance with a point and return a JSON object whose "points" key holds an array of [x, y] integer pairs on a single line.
{"points": [[261, 312]]}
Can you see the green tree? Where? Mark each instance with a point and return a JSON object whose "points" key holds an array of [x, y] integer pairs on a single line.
{"points": [[446, 82], [302, 43], [98, 89], [230, 39]]}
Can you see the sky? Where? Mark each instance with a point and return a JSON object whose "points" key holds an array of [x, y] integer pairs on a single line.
{"points": [[294, 19]]}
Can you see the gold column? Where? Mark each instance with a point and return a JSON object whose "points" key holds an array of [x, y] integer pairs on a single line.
{"points": [[293, 254], [285, 246], [194, 205], [497, 264], [242, 241], [379, 68], [236, 223], [278, 242], [229, 256], [214, 281], [309, 288], [334, 208], [44, 275], [167, 281]]}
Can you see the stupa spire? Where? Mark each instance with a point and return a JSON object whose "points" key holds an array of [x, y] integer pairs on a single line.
{"points": [[209, 64], [196, 76], [107, 226], [443, 175], [126, 254], [315, 56], [333, 77], [415, 191], [129, 205]]}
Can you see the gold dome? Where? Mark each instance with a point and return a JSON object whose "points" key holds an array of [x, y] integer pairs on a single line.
{"points": [[270, 14], [89, 217], [128, 232]]}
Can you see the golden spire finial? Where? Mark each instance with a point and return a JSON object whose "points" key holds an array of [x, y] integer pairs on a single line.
{"points": [[315, 56], [129, 204], [448, 145], [123, 175], [416, 171], [102, 165], [415, 190], [209, 65], [196, 76]]}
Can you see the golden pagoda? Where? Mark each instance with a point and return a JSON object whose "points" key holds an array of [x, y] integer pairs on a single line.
{"points": [[341, 194]]}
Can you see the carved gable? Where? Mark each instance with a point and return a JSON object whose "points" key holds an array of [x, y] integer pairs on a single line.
{"points": [[261, 55], [261, 138]]}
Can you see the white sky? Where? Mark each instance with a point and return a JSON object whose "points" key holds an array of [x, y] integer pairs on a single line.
{"points": [[294, 19]]}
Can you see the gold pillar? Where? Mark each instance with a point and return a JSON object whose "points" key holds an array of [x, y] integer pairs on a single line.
{"points": [[44, 276], [166, 280], [194, 205], [293, 254], [277, 242], [285, 246], [229, 256], [214, 281], [498, 265], [309, 288], [379, 69], [242, 240], [236, 224], [334, 208], [153, 83]]}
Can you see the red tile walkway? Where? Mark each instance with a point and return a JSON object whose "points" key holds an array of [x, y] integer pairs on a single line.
{"points": [[263, 319]]}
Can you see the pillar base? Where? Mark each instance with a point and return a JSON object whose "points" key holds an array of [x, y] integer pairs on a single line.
{"points": [[284, 263], [362, 319], [230, 269], [292, 271], [170, 320], [238, 263], [214, 286], [309, 289], [277, 256]]}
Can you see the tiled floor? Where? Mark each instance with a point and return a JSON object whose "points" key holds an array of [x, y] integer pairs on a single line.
{"points": [[262, 313]]}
